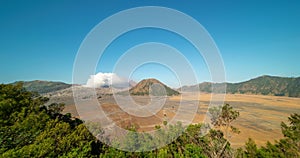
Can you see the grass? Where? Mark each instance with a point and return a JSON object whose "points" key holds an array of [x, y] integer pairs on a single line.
{"points": [[260, 116]]}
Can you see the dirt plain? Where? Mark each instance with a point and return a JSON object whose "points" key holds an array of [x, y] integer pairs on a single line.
{"points": [[260, 116]]}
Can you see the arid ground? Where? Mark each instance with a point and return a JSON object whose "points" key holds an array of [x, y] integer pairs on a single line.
{"points": [[260, 116]]}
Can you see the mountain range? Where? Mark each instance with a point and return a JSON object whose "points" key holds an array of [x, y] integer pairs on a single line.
{"points": [[43, 86], [263, 85]]}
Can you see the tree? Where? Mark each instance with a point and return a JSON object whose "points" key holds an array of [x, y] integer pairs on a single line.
{"points": [[56, 108], [291, 132], [251, 149], [29, 129], [222, 119]]}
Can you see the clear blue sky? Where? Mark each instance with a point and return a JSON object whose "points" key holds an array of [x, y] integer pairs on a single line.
{"points": [[40, 39]]}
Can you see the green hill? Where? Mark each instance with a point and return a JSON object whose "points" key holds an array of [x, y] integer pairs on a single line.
{"points": [[264, 85], [43, 86]]}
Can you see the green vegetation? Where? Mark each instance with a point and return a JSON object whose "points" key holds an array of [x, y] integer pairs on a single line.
{"points": [[268, 85], [29, 129], [265, 85], [222, 118], [44, 86]]}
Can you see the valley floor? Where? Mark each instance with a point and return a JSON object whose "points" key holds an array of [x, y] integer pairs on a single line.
{"points": [[260, 116]]}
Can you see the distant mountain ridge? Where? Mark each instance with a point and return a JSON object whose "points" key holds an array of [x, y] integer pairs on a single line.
{"points": [[264, 85], [43, 86], [144, 88]]}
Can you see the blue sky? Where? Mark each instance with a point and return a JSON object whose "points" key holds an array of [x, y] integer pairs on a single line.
{"points": [[40, 39]]}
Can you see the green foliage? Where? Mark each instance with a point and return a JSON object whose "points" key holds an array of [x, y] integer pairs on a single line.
{"points": [[265, 85], [292, 131], [251, 149], [223, 118], [157, 127], [28, 129], [56, 108], [165, 122], [43, 86], [268, 85]]}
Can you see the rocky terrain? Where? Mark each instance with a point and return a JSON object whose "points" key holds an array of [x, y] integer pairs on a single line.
{"points": [[152, 86]]}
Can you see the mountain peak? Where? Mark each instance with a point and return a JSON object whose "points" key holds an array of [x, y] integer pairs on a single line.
{"points": [[144, 88], [153, 80]]}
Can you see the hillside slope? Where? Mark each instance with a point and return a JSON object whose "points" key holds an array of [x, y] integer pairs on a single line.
{"points": [[264, 85], [43, 86], [144, 88]]}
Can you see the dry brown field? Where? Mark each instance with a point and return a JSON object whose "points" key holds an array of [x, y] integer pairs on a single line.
{"points": [[260, 116]]}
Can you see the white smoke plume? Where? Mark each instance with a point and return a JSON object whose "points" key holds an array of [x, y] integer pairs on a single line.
{"points": [[107, 80]]}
